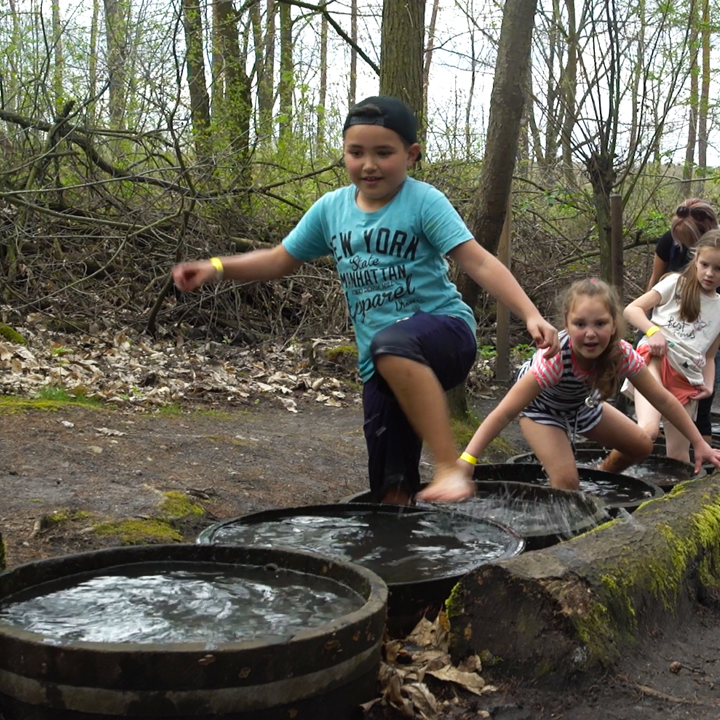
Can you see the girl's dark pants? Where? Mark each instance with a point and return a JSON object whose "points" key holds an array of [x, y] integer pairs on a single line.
{"points": [[447, 346]]}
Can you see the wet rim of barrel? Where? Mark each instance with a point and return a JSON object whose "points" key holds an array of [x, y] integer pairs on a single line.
{"points": [[516, 547], [371, 588]]}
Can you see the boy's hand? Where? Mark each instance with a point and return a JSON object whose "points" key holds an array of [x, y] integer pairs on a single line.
{"points": [[191, 275], [451, 487], [544, 335]]}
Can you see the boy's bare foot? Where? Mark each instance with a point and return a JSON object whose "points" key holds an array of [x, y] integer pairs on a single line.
{"points": [[453, 487], [397, 495]]}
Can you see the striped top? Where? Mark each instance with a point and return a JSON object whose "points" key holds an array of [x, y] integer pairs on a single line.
{"points": [[564, 383]]}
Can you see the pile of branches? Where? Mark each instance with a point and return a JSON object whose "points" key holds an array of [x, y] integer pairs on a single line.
{"points": [[91, 223]]}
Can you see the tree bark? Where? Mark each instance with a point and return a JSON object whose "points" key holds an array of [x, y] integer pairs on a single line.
{"points": [[352, 87], [506, 108], [401, 52], [197, 86], [117, 13], [689, 165], [322, 100], [704, 108], [285, 89], [578, 606]]}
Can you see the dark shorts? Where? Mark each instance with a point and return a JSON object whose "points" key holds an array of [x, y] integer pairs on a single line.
{"points": [[447, 346]]}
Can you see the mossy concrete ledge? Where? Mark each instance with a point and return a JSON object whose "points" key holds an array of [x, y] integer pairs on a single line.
{"points": [[575, 608]]}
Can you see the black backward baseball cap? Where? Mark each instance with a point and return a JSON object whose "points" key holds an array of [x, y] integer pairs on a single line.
{"points": [[386, 111]]}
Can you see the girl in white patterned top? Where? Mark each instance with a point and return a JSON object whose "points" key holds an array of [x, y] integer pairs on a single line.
{"points": [[681, 339], [565, 394]]}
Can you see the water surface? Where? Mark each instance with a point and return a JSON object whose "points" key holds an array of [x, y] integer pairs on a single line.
{"points": [[192, 604]]}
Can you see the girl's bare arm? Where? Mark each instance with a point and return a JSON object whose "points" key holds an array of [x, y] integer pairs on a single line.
{"points": [[520, 395]]}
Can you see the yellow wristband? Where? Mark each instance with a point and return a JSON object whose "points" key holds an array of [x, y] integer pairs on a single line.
{"points": [[219, 269], [468, 458], [652, 330]]}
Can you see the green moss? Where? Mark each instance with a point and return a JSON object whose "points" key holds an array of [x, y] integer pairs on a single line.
{"points": [[610, 616], [215, 414], [453, 603], [464, 428], [136, 531], [177, 506], [341, 350], [62, 516], [11, 334], [10, 404], [76, 396], [172, 409]]}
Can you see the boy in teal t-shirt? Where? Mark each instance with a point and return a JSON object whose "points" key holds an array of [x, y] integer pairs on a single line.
{"points": [[389, 235]]}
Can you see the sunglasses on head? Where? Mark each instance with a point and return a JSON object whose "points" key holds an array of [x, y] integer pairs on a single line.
{"points": [[694, 212]]}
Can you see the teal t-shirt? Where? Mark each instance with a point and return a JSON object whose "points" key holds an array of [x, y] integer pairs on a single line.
{"points": [[391, 262]]}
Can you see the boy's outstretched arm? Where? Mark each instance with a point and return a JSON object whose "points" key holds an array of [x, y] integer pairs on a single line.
{"points": [[256, 265], [488, 272], [669, 406]]}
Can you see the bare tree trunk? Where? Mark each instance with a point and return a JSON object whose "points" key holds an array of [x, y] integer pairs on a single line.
{"points": [[638, 73], [323, 83], [569, 90], [352, 88], [218, 64], [117, 13], [285, 89], [704, 96], [401, 52], [236, 107], [264, 66], [428, 59], [554, 107], [688, 166], [58, 69], [195, 61], [93, 60], [506, 108], [470, 98]]}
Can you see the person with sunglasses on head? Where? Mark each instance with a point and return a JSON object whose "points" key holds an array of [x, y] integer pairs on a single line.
{"points": [[673, 253], [692, 219]]}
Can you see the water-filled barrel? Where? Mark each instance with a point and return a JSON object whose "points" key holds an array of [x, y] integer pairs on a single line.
{"points": [[543, 516], [420, 553], [615, 490], [319, 660], [659, 470]]}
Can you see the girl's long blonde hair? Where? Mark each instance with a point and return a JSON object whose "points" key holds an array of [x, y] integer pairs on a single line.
{"points": [[688, 284], [605, 377]]}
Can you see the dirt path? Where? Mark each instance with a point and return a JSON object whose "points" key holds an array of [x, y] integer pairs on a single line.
{"points": [[64, 472]]}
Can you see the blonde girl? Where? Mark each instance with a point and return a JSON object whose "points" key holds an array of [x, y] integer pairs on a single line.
{"points": [[565, 395], [681, 338]]}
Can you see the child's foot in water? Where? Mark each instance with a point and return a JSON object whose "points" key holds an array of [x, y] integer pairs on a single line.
{"points": [[452, 486]]}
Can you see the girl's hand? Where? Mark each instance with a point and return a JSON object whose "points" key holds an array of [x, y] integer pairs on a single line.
{"points": [[191, 275], [704, 453], [544, 335], [658, 344], [702, 392]]}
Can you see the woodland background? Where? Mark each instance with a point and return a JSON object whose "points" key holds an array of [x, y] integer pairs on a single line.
{"points": [[138, 133]]}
